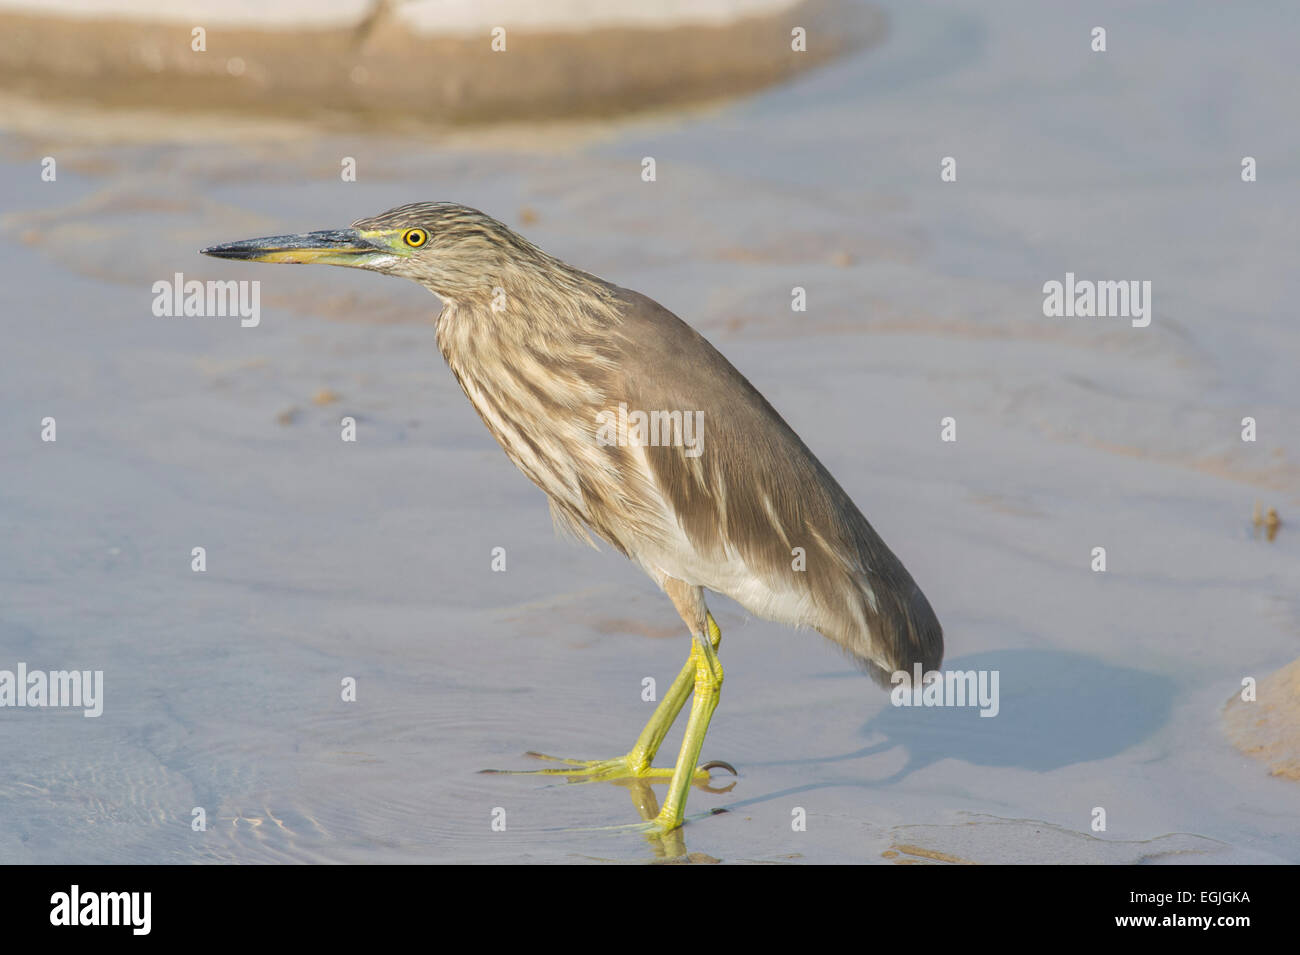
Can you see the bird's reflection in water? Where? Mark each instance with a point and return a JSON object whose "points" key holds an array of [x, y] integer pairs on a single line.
{"points": [[669, 848], [668, 845]]}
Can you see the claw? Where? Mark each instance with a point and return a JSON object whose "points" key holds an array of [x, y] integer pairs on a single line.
{"points": [[717, 764], [533, 754]]}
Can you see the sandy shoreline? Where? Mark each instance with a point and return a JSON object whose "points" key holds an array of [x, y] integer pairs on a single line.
{"points": [[1268, 727], [384, 71]]}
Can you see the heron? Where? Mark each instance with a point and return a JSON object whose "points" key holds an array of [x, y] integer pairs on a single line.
{"points": [[555, 360]]}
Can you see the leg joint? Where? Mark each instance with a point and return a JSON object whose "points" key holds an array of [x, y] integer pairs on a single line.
{"points": [[715, 632], [708, 668]]}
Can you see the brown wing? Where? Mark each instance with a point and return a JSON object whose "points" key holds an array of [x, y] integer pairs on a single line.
{"points": [[758, 490]]}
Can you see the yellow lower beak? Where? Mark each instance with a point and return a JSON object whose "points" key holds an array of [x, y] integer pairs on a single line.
{"points": [[332, 247]]}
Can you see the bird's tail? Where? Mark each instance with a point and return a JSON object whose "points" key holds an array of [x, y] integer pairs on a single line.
{"points": [[904, 630]]}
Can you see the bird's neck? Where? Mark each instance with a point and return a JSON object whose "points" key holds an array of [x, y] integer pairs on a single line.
{"points": [[537, 372], [521, 322]]}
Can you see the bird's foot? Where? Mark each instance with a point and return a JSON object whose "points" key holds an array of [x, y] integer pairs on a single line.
{"points": [[620, 767], [667, 822]]}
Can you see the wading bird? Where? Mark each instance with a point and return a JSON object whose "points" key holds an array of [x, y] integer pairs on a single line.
{"points": [[549, 356]]}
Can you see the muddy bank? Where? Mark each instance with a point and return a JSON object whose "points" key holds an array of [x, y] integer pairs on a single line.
{"points": [[1269, 728], [385, 68]]}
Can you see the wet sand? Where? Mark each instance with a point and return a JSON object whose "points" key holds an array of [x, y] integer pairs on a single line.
{"points": [[1265, 724], [382, 71], [373, 560]]}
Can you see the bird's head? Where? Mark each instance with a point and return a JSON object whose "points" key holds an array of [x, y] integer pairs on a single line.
{"points": [[456, 252]]}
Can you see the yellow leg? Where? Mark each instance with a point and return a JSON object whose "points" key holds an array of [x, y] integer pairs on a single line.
{"points": [[708, 688], [665, 714], [636, 763]]}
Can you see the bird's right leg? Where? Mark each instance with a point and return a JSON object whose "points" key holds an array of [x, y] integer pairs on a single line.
{"points": [[690, 605], [637, 762]]}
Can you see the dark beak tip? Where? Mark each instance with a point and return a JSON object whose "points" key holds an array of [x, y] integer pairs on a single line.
{"points": [[337, 241]]}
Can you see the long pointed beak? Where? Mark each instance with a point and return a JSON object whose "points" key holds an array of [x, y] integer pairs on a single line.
{"points": [[331, 247]]}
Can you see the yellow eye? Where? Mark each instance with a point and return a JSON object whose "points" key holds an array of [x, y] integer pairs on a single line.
{"points": [[415, 237]]}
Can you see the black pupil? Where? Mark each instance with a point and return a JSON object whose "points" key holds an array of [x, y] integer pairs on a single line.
{"points": [[417, 238]]}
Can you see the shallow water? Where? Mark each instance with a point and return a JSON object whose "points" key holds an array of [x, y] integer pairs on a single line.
{"points": [[371, 560]]}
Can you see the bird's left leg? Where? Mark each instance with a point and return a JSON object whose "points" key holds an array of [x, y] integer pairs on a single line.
{"points": [[636, 763], [689, 602], [708, 688]]}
